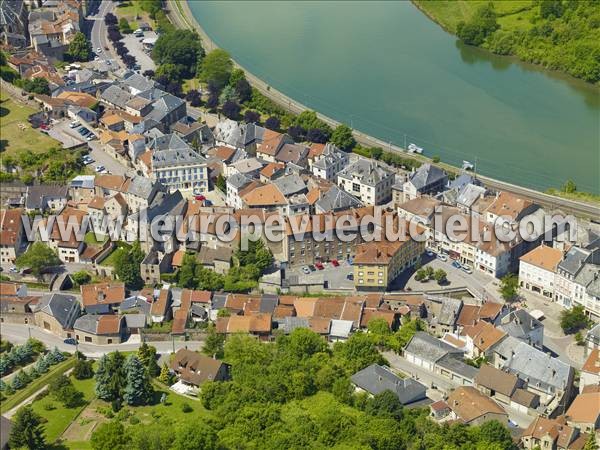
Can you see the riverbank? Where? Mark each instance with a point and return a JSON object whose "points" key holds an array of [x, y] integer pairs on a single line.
{"points": [[182, 16]]}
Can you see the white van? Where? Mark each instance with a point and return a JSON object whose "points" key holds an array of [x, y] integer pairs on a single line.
{"points": [[75, 124]]}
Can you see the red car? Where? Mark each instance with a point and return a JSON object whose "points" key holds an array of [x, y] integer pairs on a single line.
{"points": [[335, 263], [44, 126], [200, 198], [319, 266]]}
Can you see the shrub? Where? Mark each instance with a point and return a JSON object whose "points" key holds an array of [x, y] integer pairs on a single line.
{"points": [[186, 408]]}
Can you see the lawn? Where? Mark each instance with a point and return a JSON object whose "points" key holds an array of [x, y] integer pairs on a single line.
{"points": [[132, 11], [59, 417], [90, 239], [110, 260], [15, 139], [448, 13]]}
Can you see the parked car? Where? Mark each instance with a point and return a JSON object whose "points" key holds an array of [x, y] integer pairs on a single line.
{"points": [[70, 341], [335, 263], [208, 203], [442, 257], [88, 161], [90, 137], [100, 169], [306, 270], [319, 266], [200, 198], [350, 276], [98, 50], [311, 267], [75, 124], [13, 270], [467, 269], [44, 127], [429, 253], [456, 264]]}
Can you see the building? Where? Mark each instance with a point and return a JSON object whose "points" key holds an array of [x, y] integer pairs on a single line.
{"points": [[590, 372], [376, 379], [510, 208], [537, 270], [11, 235], [378, 264], [194, 369], [474, 408], [46, 198], [328, 163], [427, 179], [523, 326], [496, 383], [480, 339], [99, 329], [57, 313], [552, 434], [425, 351], [52, 29], [13, 32], [367, 180], [176, 165], [584, 412], [102, 298], [334, 200]]}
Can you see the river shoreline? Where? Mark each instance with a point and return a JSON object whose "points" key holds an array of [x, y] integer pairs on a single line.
{"points": [[182, 15]]}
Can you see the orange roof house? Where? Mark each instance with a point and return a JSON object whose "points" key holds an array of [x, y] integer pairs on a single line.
{"points": [[95, 295]]}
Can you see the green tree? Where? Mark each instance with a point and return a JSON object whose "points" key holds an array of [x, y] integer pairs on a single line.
{"points": [[379, 330], [385, 404], [124, 26], [186, 277], [138, 390], [37, 258], [147, 355], [591, 443], [221, 183], [216, 67], [342, 137], [194, 436], [83, 369], [551, 9], [181, 48], [127, 266], [573, 320], [358, 352], [110, 436], [172, 72], [493, 432], [62, 389], [36, 86], [509, 287], [80, 48], [165, 377], [27, 431], [479, 27], [214, 343], [440, 276], [569, 187], [82, 277], [401, 337]]}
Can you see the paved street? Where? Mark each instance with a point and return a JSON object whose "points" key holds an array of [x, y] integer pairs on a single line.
{"points": [[134, 45], [98, 35], [18, 334], [101, 158]]}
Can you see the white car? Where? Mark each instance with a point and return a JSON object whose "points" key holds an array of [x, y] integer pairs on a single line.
{"points": [[442, 257], [98, 50], [99, 169], [75, 124], [96, 58], [467, 269], [306, 270]]}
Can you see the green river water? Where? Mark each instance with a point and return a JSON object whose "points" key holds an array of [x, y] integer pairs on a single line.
{"points": [[389, 71]]}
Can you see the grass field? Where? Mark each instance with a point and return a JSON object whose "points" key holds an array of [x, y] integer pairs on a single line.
{"points": [[90, 239], [132, 11], [448, 13], [14, 139], [111, 259]]}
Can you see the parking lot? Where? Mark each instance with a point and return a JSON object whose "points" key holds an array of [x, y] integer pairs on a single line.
{"points": [[134, 45], [335, 277], [62, 132], [101, 158]]}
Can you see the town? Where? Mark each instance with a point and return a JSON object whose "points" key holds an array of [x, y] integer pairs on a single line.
{"points": [[474, 331]]}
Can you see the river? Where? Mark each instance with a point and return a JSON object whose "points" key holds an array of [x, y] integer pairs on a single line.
{"points": [[389, 71]]}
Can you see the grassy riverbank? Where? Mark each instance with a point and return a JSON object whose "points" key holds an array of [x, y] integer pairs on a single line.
{"points": [[557, 35]]}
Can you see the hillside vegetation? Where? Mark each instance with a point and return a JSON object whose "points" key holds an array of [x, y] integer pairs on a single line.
{"points": [[557, 34]]}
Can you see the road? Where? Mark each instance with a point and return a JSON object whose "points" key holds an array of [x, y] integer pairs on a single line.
{"points": [[99, 34], [18, 334], [103, 159], [178, 18], [428, 378]]}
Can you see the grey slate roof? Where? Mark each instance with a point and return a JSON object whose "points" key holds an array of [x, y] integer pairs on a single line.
{"points": [[573, 260], [238, 180], [135, 320], [593, 335], [116, 96], [231, 133], [268, 303], [172, 204], [539, 369], [253, 133], [290, 184], [291, 153], [426, 175], [429, 348], [469, 194], [87, 323], [289, 324], [139, 82], [507, 346], [336, 199], [170, 150], [64, 308], [218, 301], [366, 171], [589, 277], [450, 310], [37, 194], [141, 187], [376, 379], [520, 324], [135, 303], [455, 364]]}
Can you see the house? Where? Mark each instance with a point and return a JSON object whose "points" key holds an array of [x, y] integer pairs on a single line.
{"points": [[176, 165], [82, 188], [592, 339], [523, 326], [15, 305], [217, 259], [194, 369], [102, 298], [271, 171], [447, 318], [584, 412], [468, 195], [510, 208], [474, 408], [292, 154], [272, 142], [427, 179], [249, 167], [329, 162], [235, 184], [69, 245], [439, 410], [480, 338], [258, 324], [161, 308], [568, 290], [230, 134], [52, 29], [46, 197], [590, 372], [13, 33], [425, 351], [99, 329], [496, 383], [552, 434], [153, 264], [335, 199], [367, 180], [378, 264], [537, 270], [11, 235], [376, 379], [57, 313]]}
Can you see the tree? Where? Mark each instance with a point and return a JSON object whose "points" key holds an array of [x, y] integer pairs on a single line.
{"points": [[212, 102], [221, 183], [569, 187], [216, 67], [36, 86], [110, 436], [165, 377], [573, 320], [551, 9], [342, 137], [82, 277], [243, 90], [124, 26], [83, 369], [509, 287], [171, 72], [493, 432], [80, 48], [479, 27], [193, 436], [27, 430], [41, 366], [187, 271], [127, 266], [316, 135], [272, 123], [591, 443], [214, 343], [138, 390], [440, 276], [297, 133], [19, 381], [37, 258], [251, 116], [62, 389], [194, 97], [401, 337], [147, 355], [179, 47], [385, 404], [231, 109]]}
